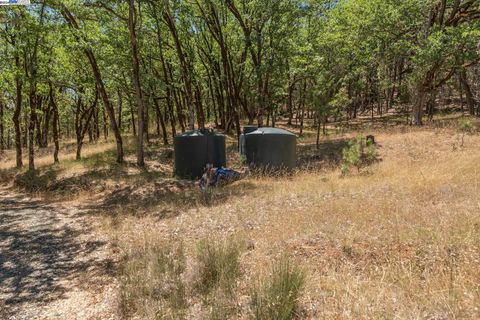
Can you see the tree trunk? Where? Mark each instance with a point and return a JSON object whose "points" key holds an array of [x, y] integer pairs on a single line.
{"points": [[31, 128], [17, 111], [2, 128], [105, 125], [162, 122], [319, 124], [468, 92], [132, 22], [460, 89], [199, 107], [302, 112], [418, 106], [82, 122], [55, 124], [120, 104], [132, 115], [290, 102]]}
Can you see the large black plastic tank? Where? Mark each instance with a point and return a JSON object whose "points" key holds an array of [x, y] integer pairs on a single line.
{"points": [[241, 141], [271, 148], [195, 149]]}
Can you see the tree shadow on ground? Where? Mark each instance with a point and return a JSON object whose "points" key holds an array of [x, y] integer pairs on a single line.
{"points": [[41, 257], [165, 198], [52, 181], [327, 155]]}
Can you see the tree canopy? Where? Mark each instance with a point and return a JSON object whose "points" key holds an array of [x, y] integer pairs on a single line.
{"points": [[91, 68]]}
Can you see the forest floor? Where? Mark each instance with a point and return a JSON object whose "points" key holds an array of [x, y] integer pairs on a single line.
{"points": [[400, 239]]}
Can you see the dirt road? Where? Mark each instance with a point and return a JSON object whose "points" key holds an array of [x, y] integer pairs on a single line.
{"points": [[53, 265]]}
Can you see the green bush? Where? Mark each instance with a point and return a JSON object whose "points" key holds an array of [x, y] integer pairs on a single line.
{"points": [[276, 297], [358, 153]]}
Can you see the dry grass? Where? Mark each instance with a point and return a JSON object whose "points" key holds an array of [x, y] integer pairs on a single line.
{"points": [[151, 280], [399, 240], [218, 265], [45, 157], [276, 298]]}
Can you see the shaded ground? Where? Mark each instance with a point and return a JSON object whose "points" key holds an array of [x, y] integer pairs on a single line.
{"points": [[52, 265]]}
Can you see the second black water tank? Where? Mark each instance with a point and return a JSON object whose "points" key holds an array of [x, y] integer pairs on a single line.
{"points": [[271, 148]]}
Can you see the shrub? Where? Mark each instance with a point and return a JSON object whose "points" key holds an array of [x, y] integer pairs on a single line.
{"points": [[277, 297], [358, 153], [218, 265]]}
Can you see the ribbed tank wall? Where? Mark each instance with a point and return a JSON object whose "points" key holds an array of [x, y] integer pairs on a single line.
{"points": [[216, 150], [195, 149], [271, 148]]}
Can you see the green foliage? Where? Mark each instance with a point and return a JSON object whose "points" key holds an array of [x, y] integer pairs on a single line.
{"points": [[276, 297], [218, 265], [358, 153], [466, 126]]}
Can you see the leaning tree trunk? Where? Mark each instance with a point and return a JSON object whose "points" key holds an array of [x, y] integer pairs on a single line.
{"points": [[120, 105]]}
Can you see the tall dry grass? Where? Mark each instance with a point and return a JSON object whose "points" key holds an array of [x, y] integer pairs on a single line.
{"points": [[399, 240]]}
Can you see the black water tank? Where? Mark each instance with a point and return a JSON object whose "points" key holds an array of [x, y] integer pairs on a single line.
{"points": [[195, 149], [271, 148], [241, 141]]}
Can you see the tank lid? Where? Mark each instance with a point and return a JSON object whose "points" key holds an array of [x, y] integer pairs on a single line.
{"points": [[190, 134], [201, 132], [268, 130]]}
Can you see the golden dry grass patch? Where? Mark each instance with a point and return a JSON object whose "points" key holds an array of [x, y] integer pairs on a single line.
{"points": [[400, 240]]}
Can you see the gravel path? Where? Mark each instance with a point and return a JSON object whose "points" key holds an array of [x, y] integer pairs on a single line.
{"points": [[52, 264]]}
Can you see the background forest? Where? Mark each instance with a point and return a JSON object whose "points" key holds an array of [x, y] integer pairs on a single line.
{"points": [[94, 226], [88, 69]]}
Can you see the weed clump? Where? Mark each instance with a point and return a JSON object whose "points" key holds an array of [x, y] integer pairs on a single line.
{"points": [[151, 282], [276, 297], [218, 266]]}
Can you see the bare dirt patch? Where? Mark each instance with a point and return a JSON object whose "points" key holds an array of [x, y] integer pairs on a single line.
{"points": [[53, 263]]}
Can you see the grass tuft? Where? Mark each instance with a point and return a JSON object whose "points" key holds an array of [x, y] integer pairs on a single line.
{"points": [[218, 265], [151, 282], [276, 298]]}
